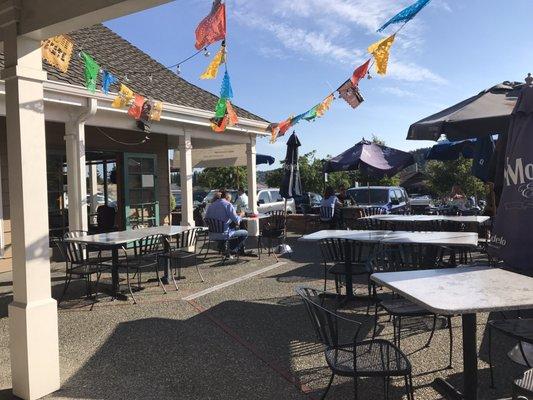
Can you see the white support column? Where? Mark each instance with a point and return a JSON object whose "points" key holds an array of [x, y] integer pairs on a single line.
{"points": [[33, 312], [186, 176], [93, 177], [76, 168], [251, 170]]}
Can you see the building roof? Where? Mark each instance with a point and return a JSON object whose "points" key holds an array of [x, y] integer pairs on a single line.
{"points": [[118, 55]]}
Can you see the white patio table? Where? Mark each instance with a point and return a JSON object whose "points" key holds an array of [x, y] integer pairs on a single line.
{"points": [[463, 291], [450, 239], [115, 240]]}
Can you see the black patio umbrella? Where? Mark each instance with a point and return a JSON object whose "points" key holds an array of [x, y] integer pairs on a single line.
{"points": [[486, 113], [371, 158], [511, 237], [445, 150], [264, 159], [291, 185]]}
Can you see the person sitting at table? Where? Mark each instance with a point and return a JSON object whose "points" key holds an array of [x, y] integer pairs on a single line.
{"points": [[224, 211], [458, 198], [241, 203], [342, 196], [330, 207]]}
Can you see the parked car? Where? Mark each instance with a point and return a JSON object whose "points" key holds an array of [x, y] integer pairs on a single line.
{"points": [[209, 197], [270, 200], [307, 201], [420, 204], [393, 199]]}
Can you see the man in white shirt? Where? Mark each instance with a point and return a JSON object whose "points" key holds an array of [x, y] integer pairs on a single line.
{"points": [[241, 203]]}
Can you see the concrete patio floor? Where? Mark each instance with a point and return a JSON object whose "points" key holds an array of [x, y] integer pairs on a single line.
{"points": [[248, 340]]}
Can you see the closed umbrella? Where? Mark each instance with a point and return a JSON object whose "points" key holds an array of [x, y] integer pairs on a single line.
{"points": [[291, 185], [264, 159], [511, 238], [445, 150], [371, 158], [484, 114]]}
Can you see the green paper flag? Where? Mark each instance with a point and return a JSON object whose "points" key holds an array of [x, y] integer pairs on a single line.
{"points": [[91, 72], [220, 108]]}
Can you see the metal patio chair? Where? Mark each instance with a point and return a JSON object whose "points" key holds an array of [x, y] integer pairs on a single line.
{"points": [[79, 264], [354, 358], [274, 229], [403, 258], [216, 228], [145, 257], [523, 387], [179, 250], [334, 255]]}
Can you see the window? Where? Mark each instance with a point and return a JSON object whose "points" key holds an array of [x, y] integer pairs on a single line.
{"points": [[274, 194], [399, 195], [363, 196], [264, 197]]}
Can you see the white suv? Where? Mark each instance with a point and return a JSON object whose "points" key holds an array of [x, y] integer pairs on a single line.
{"points": [[270, 200]]}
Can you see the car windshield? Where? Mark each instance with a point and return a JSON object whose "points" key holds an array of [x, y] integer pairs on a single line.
{"points": [[369, 196]]}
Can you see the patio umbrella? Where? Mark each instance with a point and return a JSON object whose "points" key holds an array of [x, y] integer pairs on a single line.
{"points": [[291, 184], [511, 238], [445, 150], [486, 113], [371, 158], [264, 159]]}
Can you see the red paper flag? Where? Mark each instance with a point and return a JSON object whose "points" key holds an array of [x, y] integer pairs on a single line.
{"points": [[213, 27], [284, 126], [231, 114], [359, 73], [137, 107]]}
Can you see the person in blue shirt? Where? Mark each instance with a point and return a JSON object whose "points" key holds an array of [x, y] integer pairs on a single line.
{"points": [[224, 211], [330, 201]]}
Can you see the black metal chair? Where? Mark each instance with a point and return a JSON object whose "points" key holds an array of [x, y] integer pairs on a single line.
{"points": [[354, 358], [333, 252], [274, 229], [520, 329], [146, 254], [181, 251], [407, 257], [523, 387], [79, 264], [216, 228]]}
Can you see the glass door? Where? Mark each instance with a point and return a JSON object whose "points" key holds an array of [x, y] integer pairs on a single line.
{"points": [[140, 191]]}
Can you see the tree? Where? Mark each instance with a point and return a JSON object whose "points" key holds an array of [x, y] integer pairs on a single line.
{"points": [[442, 175], [222, 177]]}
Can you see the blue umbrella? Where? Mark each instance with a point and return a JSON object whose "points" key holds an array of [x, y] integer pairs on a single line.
{"points": [[446, 150], [264, 159]]}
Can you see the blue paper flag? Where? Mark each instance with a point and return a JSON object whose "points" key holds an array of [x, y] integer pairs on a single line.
{"points": [[406, 14], [107, 80], [225, 90]]}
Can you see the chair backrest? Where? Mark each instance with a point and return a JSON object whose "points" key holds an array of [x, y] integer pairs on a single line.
{"points": [[276, 221], [74, 252], [214, 225], [407, 257], [187, 238], [105, 217], [326, 213], [148, 245], [324, 321], [335, 250]]}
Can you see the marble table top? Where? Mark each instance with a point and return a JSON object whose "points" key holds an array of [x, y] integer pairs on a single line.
{"points": [[123, 237], [468, 239], [463, 290], [479, 219], [259, 216]]}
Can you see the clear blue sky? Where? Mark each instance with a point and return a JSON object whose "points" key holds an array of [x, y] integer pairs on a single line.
{"points": [[286, 55]]}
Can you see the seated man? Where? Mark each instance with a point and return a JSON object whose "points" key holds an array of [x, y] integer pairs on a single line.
{"points": [[224, 211]]}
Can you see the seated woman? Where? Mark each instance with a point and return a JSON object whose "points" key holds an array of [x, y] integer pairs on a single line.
{"points": [[458, 198], [330, 208]]}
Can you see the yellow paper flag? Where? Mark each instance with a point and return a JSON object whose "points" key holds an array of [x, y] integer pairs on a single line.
{"points": [[212, 69], [324, 106], [124, 97], [57, 51], [155, 113], [380, 51]]}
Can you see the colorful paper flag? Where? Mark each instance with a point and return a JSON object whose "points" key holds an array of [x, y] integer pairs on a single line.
{"points": [[220, 108], [211, 71], [406, 14], [310, 114], [284, 126], [226, 92], [350, 94], [232, 115], [324, 106], [124, 97], [107, 80], [360, 73], [274, 130], [157, 109], [380, 50], [57, 51], [136, 108], [219, 124], [213, 27], [90, 71]]}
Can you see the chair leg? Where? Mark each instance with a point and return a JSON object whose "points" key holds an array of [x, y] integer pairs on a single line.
{"points": [[172, 276], [355, 391], [491, 369], [68, 278], [386, 382], [129, 285], [412, 392], [327, 388], [375, 321], [399, 331], [159, 281], [198, 269], [450, 331], [432, 330]]}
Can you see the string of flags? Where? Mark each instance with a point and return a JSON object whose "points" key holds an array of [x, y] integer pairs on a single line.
{"points": [[58, 51], [349, 90]]}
